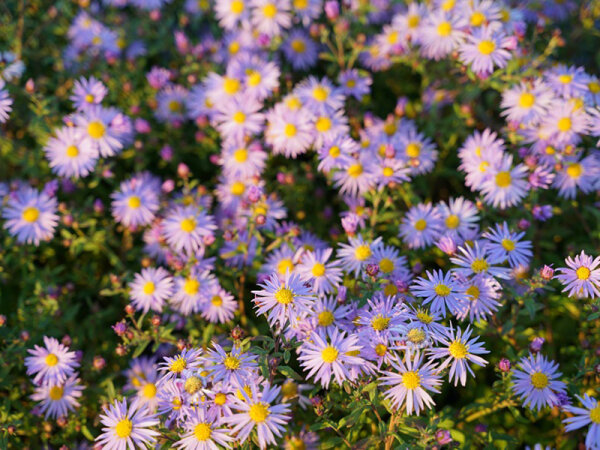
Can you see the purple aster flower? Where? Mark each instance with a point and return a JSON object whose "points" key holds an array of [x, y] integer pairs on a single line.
{"points": [[441, 290], [458, 350], [485, 49], [191, 292], [536, 382], [329, 354], [506, 185], [185, 227], [441, 33], [588, 415], [233, 365], [300, 49], [460, 218], [70, 154], [51, 364], [238, 118], [527, 103], [568, 82], [88, 92], [95, 123], [421, 226], [173, 367], [411, 382], [158, 77], [354, 84], [356, 254], [171, 102], [135, 203], [202, 432], [57, 400], [5, 102], [324, 276], [581, 277], [150, 289], [271, 17], [127, 427], [30, 215], [477, 261], [220, 306], [504, 245], [320, 96], [480, 300], [288, 131], [577, 174]]}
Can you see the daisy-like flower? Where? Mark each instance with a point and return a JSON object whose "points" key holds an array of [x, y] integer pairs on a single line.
{"points": [[329, 354], [411, 382], [185, 228], [30, 215], [335, 152], [457, 351], [142, 378], [460, 217], [127, 427], [588, 415], [238, 118], [51, 364], [300, 49], [323, 275], [421, 226], [354, 84], [271, 16], [281, 261], [417, 150], [320, 96], [220, 306], [56, 400], [536, 383], [328, 313], [480, 300], [70, 154], [150, 289], [441, 290], [202, 432], [173, 367], [191, 292], [485, 49], [170, 104], [565, 122], [135, 203], [288, 131], [581, 277], [233, 365], [381, 316], [5, 102], [577, 175], [88, 92], [95, 124], [506, 185], [283, 300], [356, 176], [568, 82], [389, 261], [477, 261], [504, 245], [260, 77], [231, 13], [258, 411], [527, 104], [356, 254], [329, 125], [441, 33], [243, 160]]}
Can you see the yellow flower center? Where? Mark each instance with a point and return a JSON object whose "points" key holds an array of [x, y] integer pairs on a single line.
{"points": [[594, 87], [413, 21], [424, 317], [411, 380], [539, 380], [526, 100], [89, 98], [284, 265], [216, 300], [176, 403], [234, 47], [174, 106], [254, 78], [380, 323], [452, 221], [415, 335], [320, 93], [289, 389], [259, 412], [442, 290], [380, 349], [390, 128], [386, 265], [574, 170], [240, 155], [477, 19], [239, 117], [483, 166], [388, 171], [149, 288], [329, 354], [413, 150], [473, 291], [188, 225], [30, 214], [134, 202], [293, 103], [191, 286], [565, 78], [55, 393], [350, 83], [290, 130], [508, 245], [564, 124], [149, 390], [392, 38], [192, 385], [390, 290], [298, 45], [269, 10], [284, 296], [231, 363], [323, 124], [72, 151], [479, 265], [231, 85], [458, 350], [202, 431], [318, 270], [583, 273], [96, 129], [237, 7], [448, 5], [503, 179], [326, 318], [220, 399], [420, 224], [237, 188], [355, 170], [178, 365], [300, 4], [124, 428], [486, 47], [444, 29], [362, 252], [51, 360], [595, 414]]}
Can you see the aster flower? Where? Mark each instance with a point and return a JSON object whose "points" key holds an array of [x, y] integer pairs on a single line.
{"points": [[536, 383], [271, 17], [506, 185], [327, 313], [356, 176], [57, 400], [238, 118], [458, 350], [440, 34], [202, 432], [231, 13], [441, 290], [324, 276], [576, 175], [334, 152], [280, 261], [356, 254], [588, 415], [142, 378], [477, 261], [127, 426], [565, 123], [221, 88], [186, 226], [191, 292], [30, 215], [525, 103], [459, 216], [389, 261], [567, 82], [289, 132], [354, 84], [150, 289], [416, 150], [411, 382], [421, 226], [88, 92], [173, 367], [95, 123], [485, 49], [329, 354], [480, 300], [504, 245], [70, 154], [220, 306], [259, 412], [51, 364], [327, 126], [135, 203], [282, 300], [320, 96], [170, 104], [300, 49], [581, 277], [5, 102], [235, 364], [381, 316]]}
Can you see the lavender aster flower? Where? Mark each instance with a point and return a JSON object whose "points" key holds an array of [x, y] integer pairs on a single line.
{"points": [[127, 427], [536, 382], [30, 215]]}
